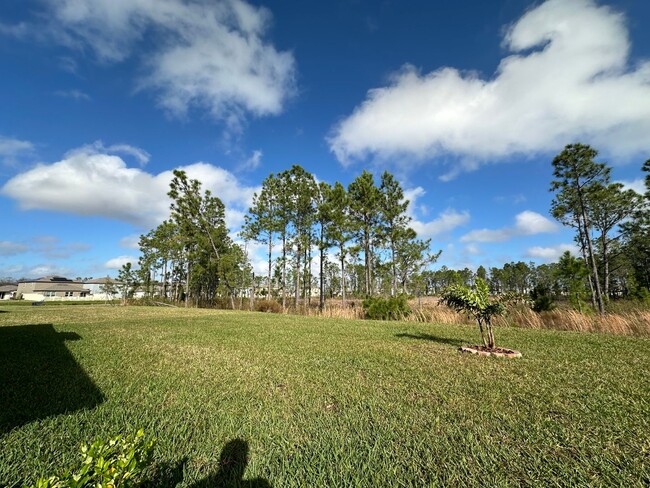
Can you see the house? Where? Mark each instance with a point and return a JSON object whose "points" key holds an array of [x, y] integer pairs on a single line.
{"points": [[51, 288], [7, 292], [100, 288]]}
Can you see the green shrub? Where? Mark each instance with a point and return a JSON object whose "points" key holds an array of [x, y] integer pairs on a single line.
{"points": [[268, 306], [542, 299], [118, 462], [394, 308]]}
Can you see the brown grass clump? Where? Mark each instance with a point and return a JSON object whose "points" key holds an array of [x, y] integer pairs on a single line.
{"points": [[268, 306]]}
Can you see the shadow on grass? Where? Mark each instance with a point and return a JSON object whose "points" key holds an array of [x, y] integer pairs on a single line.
{"points": [[230, 473], [39, 377], [429, 337]]}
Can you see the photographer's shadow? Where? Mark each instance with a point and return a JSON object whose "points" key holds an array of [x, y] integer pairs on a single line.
{"points": [[230, 473]]}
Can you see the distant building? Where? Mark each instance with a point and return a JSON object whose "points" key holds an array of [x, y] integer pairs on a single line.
{"points": [[97, 287], [51, 288], [7, 292]]}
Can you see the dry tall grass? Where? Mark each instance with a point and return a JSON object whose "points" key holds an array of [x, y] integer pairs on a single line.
{"points": [[632, 323]]}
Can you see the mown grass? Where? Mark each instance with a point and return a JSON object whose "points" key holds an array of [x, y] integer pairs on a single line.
{"points": [[321, 402]]}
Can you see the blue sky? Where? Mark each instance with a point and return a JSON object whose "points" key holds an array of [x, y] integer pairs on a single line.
{"points": [[466, 101]]}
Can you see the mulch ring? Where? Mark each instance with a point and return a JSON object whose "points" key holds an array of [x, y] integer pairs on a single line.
{"points": [[499, 352]]}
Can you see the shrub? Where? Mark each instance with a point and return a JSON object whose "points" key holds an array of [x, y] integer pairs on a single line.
{"points": [[394, 308], [542, 299], [117, 462], [270, 306]]}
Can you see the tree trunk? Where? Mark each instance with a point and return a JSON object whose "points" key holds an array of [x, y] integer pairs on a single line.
{"points": [[187, 286], [583, 250], [366, 251], [342, 276], [321, 298], [491, 343], [270, 263], [480, 328], [603, 239], [594, 268], [284, 271], [393, 283], [297, 290]]}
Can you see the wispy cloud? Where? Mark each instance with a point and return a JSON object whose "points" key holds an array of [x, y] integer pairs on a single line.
{"points": [[253, 162], [12, 150], [8, 248], [211, 56], [76, 95]]}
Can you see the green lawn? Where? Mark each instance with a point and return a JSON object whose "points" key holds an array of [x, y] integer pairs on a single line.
{"points": [[296, 401]]}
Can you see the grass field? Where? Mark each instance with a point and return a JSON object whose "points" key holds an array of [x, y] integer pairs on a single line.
{"points": [[301, 401]]}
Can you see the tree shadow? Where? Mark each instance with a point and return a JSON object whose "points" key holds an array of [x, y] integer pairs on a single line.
{"points": [[39, 377], [230, 473], [429, 337]]}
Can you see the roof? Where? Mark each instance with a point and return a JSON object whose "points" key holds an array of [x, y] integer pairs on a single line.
{"points": [[99, 281], [60, 287], [48, 279], [6, 288]]}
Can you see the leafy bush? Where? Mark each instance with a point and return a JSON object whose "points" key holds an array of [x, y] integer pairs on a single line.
{"points": [[268, 306], [394, 308], [118, 462]]}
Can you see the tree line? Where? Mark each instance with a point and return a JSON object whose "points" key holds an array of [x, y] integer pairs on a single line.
{"points": [[360, 234], [362, 239]]}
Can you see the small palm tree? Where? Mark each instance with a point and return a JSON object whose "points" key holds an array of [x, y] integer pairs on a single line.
{"points": [[477, 304]]}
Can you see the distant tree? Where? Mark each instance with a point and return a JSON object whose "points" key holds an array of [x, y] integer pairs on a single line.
{"points": [[608, 207], [262, 220], [324, 218], [364, 204], [109, 288], [481, 273], [572, 273], [577, 179], [636, 233], [339, 230], [394, 220], [127, 278]]}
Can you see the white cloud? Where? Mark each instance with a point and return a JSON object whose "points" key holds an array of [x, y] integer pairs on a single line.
{"points": [[91, 181], [568, 78], [76, 95], [552, 253], [210, 55], [8, 248], [637, 185], [118, 262], [526, 223], [12, 149], [445, 222]]}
